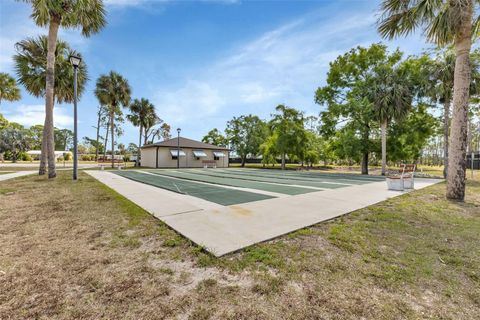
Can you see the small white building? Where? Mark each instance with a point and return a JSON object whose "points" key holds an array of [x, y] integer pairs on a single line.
{"points": [[193, 154]]}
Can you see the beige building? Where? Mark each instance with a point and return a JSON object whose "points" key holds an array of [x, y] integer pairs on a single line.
{"points": [[193, 154]]}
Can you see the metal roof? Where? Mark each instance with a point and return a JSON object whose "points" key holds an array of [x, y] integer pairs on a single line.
{"points": [[184, 143]]}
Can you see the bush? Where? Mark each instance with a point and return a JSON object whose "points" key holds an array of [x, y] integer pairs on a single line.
{"points": [[68, 156], [126, 158], [25, 157], [85, 157]]}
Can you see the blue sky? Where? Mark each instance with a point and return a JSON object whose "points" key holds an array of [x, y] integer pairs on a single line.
{"points": [[203, 62]]}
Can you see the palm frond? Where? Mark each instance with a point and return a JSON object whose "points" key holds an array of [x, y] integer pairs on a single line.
{"points": [[31, 63]]}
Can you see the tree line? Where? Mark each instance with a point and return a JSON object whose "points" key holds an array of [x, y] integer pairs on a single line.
{"points": [[370, 94], [369, 88], [42, 66]]}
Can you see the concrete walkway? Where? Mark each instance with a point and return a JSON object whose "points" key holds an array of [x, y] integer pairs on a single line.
{"points": [[59, 165], [222, 229], [12, 175]]}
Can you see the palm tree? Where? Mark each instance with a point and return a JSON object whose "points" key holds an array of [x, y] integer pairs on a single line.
{"points": [[443, 22], [31, 68], [89, 16], [113, 91], [141, 111], [151, 120], [442, 73], [392, 98], [8, 88]]}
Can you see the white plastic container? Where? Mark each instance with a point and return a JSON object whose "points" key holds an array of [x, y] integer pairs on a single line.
{"points": [[408, 183], [395, 183]]}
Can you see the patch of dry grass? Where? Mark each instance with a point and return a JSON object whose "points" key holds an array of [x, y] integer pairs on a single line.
{"points": [[79, 250]]}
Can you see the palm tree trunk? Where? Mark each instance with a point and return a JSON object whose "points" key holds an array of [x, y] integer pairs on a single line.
{"points": [[139, 146], [384, 146], [112, 132], [461, 85], [446, 130], [283, 161], [43, 155], [49, 94], [98, 134], [106, 142], [145, 136]]}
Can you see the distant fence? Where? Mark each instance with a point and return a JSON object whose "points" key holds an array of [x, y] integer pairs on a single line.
{"points": [[255, 160], [476, 160]]}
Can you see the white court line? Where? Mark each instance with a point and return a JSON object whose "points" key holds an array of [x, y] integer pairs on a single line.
{"points": [[272, 183], [267, 193], [284, 184]]}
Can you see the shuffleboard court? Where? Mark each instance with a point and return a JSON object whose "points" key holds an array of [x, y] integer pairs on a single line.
{"points": [[307, 176], [265, 186], [211, 193], [281, 180], [225, 218]]}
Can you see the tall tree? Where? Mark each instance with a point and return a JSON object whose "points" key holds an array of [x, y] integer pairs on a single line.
{"points": [[94, 144], [268, 150], [410, 136], [216, 138], [140, 112], [3, 122], [89, 16], [165, 131], [350, 114], [102, 114], [444, 22], [150, 122], [63, 138], [113, 91], [132, 148], [245, 134], [441, 74], [31, 68], [105, 139], [8, 88], [287, 125], [390, 92], [36, 133], [15, 140], [442, 71]]}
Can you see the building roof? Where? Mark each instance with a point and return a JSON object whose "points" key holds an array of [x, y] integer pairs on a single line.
{"points": [[184, 143]]}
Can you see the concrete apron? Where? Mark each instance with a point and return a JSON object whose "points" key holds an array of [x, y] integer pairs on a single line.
{"points": [[224, 229], [17, 174]]}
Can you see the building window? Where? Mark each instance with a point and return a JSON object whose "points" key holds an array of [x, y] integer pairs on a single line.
{"points": [[174, 157], [216, 158]]}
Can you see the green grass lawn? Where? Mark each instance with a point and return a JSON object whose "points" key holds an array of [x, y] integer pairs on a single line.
{"points": [[80, 250]]}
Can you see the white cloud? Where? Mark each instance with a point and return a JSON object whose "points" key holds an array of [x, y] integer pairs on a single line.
{"points": [[197, 99], [29, 115]]}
